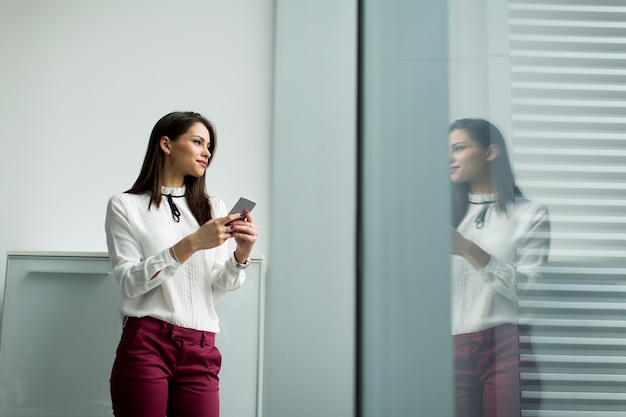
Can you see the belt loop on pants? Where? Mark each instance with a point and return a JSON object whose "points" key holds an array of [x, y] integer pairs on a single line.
{"points": [[163, 330]]}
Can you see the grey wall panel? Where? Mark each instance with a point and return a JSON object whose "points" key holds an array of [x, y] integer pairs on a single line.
{"points": [[60, 329]]}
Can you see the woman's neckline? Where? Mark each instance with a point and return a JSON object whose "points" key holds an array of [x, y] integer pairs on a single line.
{"points": [[174, 191], [482, 198]]}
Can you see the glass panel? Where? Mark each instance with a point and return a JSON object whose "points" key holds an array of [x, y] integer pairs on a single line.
{"points": [[405, 344], [535, 271], [550, 77]]}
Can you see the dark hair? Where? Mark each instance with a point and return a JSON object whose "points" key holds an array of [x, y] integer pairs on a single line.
{"points": [[173, 125], [503, 183]]}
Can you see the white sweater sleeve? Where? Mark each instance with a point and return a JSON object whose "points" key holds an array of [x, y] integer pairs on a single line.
{"points": [[532, 243], [135, 275]]}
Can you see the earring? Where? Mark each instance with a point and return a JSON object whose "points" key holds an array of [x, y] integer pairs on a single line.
{"points": [[168, 152]]}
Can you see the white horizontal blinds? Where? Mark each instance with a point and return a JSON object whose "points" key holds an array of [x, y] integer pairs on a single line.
{"points": [[568, 79], [577, 320], [568, 89]]}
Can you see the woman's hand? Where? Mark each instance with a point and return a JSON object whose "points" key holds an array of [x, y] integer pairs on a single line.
{"points": [[215, 232], [210, 235], [245, 233], [473, 253]]}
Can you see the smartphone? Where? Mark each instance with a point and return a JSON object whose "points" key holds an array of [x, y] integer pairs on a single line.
{"points": [[242, 205]]}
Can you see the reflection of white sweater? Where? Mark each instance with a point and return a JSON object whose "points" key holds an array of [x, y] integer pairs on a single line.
{"points": [[518, 243], [138, 240]]}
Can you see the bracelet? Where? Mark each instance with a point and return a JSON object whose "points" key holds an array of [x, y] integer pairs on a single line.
{"points": [[240, 265], [485, 261], [173, 253]]}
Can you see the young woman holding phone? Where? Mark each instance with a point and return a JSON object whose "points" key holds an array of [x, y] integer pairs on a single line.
{"points": [[167, 240]]}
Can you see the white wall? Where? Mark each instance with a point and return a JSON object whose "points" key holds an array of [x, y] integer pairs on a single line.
{"points": [[82, 84], [480, 63]]}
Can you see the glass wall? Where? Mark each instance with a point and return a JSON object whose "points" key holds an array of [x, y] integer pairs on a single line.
{"points": [[540, 245], [404, 348], [568, 71]]}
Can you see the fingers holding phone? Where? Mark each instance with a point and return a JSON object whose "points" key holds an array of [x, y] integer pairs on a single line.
{"points": [[245, 233], [238, 224], [215, 232], [242, 206], [244, 230], [243, 227]]}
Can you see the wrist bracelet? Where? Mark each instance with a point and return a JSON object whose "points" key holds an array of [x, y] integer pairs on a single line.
{"points": [[173, 253], [240, 265]]}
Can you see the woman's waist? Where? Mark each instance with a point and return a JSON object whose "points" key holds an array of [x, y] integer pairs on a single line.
{"points": [[166, 329], [199, 314]]}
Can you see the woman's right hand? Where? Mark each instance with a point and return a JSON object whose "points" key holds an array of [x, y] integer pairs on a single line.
{"points": [[473, 253], [214, 232], [210, 235]]}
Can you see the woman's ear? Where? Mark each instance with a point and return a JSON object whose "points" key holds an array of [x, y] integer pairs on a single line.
{"points": [[493, 151], [164, 142]]}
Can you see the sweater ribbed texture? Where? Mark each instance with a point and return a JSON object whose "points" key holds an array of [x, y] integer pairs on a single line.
{"points": [[518, 242], [154, 284]]}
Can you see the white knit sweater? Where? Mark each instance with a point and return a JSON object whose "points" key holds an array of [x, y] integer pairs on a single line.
{"points": [[518, 243], [138, 241]]}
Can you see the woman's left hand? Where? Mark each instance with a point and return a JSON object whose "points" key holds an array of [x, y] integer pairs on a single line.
{"points": [[473, 253], [245, 233]]}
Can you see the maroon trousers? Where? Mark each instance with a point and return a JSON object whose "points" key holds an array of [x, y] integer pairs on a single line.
{"points": [[486, 373], [161, 369]]}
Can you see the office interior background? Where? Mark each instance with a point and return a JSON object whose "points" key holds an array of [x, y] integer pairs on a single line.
{"points": [[333, 116]]}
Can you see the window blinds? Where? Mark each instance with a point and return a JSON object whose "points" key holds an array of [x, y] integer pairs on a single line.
{"points": [[568, 90], [568, 79]]}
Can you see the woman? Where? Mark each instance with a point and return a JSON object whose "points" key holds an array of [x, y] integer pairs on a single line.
{"points": [[498, 239], [172, 261]]}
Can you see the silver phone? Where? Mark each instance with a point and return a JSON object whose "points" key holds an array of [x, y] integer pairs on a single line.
{"points": [[242, 205]]}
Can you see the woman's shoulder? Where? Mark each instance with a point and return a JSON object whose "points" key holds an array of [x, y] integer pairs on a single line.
{"points": [[529, 208], [128, 197], [128, 200], [219, 207]]}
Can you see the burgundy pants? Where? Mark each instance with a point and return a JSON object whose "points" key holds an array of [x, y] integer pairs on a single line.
{"points": [[161, 369], [486, 373]]}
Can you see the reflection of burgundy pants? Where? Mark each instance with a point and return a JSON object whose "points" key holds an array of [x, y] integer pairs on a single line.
{"points": [[163, 369], [486, 373]]}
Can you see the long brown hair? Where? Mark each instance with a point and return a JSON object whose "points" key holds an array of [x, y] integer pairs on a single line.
{"points": [[484, 134], [173, 125]]}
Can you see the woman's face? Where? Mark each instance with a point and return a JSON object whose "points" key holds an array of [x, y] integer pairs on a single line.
{"points": [[468, 160], [189, 154]]}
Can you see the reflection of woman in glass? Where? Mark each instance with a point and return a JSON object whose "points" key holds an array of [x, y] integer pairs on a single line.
{"points": [[498, 239]]}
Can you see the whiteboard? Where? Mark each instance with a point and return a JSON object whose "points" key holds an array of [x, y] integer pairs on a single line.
{"points": [[60, 329]]}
